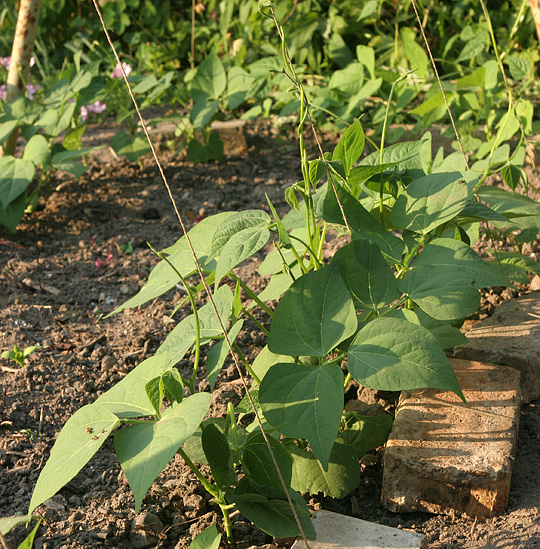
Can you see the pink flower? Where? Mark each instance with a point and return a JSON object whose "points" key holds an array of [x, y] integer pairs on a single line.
{"points": [[95, 108], [5, 62], [117, 73], [3, 91], [32, 61]]}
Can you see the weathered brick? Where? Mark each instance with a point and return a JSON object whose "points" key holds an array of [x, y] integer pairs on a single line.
{"points": [[511, 338], [445, 455], [335, 531]]}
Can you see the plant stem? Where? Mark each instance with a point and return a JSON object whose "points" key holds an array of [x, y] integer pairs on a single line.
{"points": [[212, 490], [246, 364], [255, 321], [253, 295], [191, 381]]}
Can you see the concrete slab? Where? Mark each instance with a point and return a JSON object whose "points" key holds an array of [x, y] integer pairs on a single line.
{"points": [[335, 531], [511, 337], [444, 455]]}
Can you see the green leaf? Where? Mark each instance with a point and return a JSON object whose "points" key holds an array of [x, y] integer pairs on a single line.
{"points": [[269, 509], [510, 204], [8, 523], [445, 278], [519, 67], [430, 201], [266, 359], [28, 542], [6, 129], [81, 437], [182, 338], [416, 55], [209, 538], [304, 402], [366, 433], [72, 140], [515, 265], [259, 465], [154, 391], [128, 398], [315, 314], [172, 385], [394, 355], [219, 352], [348, 80], [15, 176], [444, 332], [340, 478], [130, 146], [350, 146], [145, 449], [163, 278], [367, 275], [201, 115], [239, 84], [512, 175], [477, 211], [238, 238], [210, 79], [361, 222], [218, 454], [12, 215], [74, 168]]}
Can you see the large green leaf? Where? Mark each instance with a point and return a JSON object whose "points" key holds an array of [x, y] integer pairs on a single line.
{"points": [[128, 397], [266, 359], [210, 79], [238, 238], [15, 176], [37, 150], [350, 146], [447, 335], [182, 338], [430, 201], [340, 478], [444, 279], [130, 146], [11, 215], [145, 449], [218, 455], [508, 203], [315, 314], [367, 275], [163, 278], [81, 437], [304, 402], [391, 354], [259, 465], [362, 224], [269, 509]]}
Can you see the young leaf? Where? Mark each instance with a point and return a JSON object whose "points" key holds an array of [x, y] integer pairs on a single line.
{"points": [[154, 391], [284, 238], [209, 538], [396, 355], [258, 463], [218, 454], [512, 175], [340, 478], [367, 275], [350, 146], [430, 201], [239, 237], [172, 385], [304, 402], [269, 509], [210, 79], [145, 448], [128, 397], [313, 316], [81, 437], [366, 433]]}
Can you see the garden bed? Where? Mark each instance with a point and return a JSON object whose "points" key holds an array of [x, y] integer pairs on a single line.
{"points": [[81, 255]]}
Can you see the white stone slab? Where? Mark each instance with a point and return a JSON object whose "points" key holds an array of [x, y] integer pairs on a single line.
{"points": [[335, 531]]}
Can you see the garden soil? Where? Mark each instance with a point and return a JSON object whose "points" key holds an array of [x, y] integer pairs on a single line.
{"points": [[82, 254]]}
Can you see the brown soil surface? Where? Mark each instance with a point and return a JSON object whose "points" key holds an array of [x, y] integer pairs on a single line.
{"points": [[64, 269]]}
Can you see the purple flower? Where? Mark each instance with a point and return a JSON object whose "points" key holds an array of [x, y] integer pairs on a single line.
{"points": [[3, 88], [31, 89], [6, 62], [117, 73]]}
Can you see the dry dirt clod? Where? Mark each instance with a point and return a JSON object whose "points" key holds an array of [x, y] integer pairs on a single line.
{"points": [[145, 530]]}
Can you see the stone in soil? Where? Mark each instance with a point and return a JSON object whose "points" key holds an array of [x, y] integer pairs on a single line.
{"points": [[510, 338], [444, 455], [335, 531]]}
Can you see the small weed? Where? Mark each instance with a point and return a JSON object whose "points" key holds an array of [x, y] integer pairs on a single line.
{"points": [[18, 355]]}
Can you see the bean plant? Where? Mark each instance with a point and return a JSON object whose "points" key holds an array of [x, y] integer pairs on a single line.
{"points": [[379, 311]]}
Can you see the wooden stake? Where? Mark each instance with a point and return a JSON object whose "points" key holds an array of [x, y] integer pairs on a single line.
{"points": [[535, 10]]}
